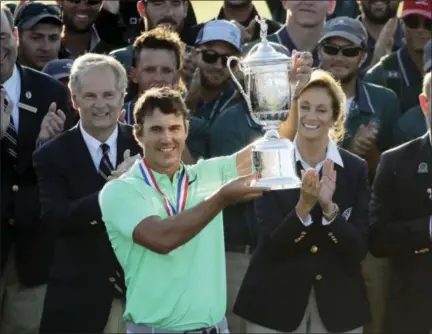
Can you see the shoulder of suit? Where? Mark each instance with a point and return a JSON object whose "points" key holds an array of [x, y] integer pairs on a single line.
{"points": [[350, 159], [60, 143], [403, 148], [37, 77]]}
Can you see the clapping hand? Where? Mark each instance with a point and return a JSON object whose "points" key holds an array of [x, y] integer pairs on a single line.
{"points": [[327, 186], [52, 123], [127, 163], [6, 112], [309, 192]]}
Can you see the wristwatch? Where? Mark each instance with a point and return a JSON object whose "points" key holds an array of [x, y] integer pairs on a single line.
{"points": [[333, 214]]}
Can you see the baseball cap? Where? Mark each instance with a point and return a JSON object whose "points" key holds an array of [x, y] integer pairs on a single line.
{"points": [[220, 30], [417, 7], [58, 68], [427, 57], [31, 13], [347, 28]]}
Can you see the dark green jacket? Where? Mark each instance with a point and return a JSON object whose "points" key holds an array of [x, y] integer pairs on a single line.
{"points": [[233, 130], [124, 56], [398, 73], [411, 125], [373, 103]]}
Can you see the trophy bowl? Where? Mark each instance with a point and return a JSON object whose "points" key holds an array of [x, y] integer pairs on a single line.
{"points": [[267, 92]]}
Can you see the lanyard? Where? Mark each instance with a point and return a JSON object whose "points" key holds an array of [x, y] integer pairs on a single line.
{"points": [[182, 188]]}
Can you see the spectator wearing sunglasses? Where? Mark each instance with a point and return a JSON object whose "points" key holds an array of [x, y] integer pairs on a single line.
{"points": [[371, 115], [412, 125], [39, 30], [212, 90], [402, 71], [80, 35]]}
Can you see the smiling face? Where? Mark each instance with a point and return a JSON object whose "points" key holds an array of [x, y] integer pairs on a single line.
{"points": [[315, 113], [163, 137], [80, 15], [166, 12], [98, 99], [8, 48], [346, 63]]}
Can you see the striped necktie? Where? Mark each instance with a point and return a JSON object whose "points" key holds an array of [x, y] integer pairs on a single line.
{"points": [[11, 136], [105, 166]]}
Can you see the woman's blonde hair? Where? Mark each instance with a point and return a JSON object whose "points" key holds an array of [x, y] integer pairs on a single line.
{"points": [[320, 79]]}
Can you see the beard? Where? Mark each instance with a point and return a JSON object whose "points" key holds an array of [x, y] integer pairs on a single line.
{"points": [[370, 15], [349, 77], [237, 5], [208, 85]]}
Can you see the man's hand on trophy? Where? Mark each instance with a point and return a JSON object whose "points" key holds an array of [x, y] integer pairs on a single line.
{"points": [[241, 190], [127, 163], [301, 71]]}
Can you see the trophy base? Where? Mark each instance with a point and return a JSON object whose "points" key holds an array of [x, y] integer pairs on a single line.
{"points": [[278, 183]]}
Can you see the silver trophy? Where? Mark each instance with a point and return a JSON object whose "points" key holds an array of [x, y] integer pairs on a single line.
{"points": [[268, 96]]}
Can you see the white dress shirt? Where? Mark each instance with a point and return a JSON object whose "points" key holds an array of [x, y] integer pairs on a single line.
{"points": [[12, 87], [333, 155], [95, 149]]}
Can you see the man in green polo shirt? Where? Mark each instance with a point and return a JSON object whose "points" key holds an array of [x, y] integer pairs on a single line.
{"points": [[163, 219]]}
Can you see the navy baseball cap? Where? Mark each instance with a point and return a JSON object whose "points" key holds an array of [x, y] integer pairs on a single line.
{"points": [[31, 13], [220, 30], [58, 68], [345, 27]]}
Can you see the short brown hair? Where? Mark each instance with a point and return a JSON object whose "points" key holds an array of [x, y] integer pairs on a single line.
{"points": [[159, 38], [167, 100]]}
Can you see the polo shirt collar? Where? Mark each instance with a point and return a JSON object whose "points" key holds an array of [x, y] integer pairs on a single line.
{"points": [[136, 171], [409, 71], [284, 38], [362, 98], [332, 153]]}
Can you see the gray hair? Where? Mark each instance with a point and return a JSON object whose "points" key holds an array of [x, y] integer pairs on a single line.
{"points": [[90, 61], [9, 16]]}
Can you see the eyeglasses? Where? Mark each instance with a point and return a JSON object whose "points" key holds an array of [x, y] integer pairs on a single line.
{"points": [[415, 21], [347, 51], [89, 2], [211, 57]]}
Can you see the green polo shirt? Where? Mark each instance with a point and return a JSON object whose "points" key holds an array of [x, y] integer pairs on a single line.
{"points": [[411, 125], [185, 289], [398, 73]]}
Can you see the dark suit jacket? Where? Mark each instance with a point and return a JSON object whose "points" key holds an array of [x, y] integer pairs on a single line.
{"points": [[400, 216], [20, 209], [81, 285], [291, 259]]}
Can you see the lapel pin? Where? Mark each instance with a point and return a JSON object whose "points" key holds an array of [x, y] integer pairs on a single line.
{"points": [[429, 191], [422, 168], [28, 95]]}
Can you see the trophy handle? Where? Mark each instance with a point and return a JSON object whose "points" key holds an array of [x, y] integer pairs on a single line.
{"points": [[239, 86]]}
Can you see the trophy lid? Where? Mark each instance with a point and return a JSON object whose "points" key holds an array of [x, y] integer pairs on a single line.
{"points": [[263, 53]]}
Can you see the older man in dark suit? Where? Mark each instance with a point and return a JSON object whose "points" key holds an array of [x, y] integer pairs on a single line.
{"points": [[34, 108], [401, 228], [86, 287]]}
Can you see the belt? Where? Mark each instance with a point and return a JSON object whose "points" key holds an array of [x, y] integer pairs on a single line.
{"points": [[221, 327], [244, 249]]}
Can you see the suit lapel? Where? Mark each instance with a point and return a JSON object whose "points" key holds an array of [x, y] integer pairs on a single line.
{"points": [[84, 162], [122, 143], [423, 166]]}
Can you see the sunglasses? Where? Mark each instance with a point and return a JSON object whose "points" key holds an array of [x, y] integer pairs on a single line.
{"points": [[211, 57], [88, 2], [347, 51], [415, 22]]}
